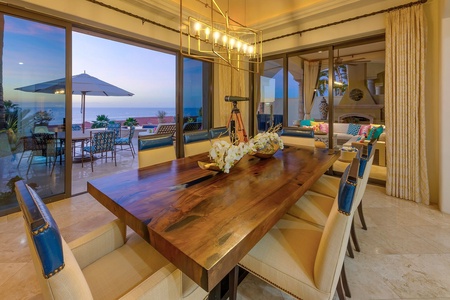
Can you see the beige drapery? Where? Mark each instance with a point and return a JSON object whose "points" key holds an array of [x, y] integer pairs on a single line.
{"points": [[231, 83], [407, 176], [311, 73]]}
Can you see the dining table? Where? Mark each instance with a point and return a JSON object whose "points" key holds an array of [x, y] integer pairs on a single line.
{"points": [[206, 221]]}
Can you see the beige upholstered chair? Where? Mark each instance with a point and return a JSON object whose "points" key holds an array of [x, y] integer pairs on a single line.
{"points": [[196, 142], [304, 259], [293, 136], [328, 186], [104, 264], [155, 149]]}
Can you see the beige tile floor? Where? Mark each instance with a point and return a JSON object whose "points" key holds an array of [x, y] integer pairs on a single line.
{"points": [[405, 251]]}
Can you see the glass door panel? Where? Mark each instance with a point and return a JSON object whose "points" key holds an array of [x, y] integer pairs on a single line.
{"points": [[33, 122], [270, 107]]}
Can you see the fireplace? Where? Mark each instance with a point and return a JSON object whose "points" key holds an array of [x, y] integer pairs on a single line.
{"points": [[355, 118]]}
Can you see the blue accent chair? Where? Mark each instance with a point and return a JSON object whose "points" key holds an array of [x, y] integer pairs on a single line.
{"points": [[106, 263], [196, 142], [126, 141], [155, 149]]}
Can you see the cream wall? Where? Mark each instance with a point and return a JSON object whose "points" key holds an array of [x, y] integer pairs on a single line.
{"points": [[443, 141], [437, 112]]}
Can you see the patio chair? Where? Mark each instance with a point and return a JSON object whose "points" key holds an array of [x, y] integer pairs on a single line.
{"points": [[303, 259], [106, 263], [196, 142], [45, 145], [162, 128], [101, 142], [114, 127], [192, 126], [126, 141], [155, 149]]}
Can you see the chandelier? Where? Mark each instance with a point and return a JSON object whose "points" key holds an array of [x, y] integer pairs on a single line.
{"points": [[221, 40]]}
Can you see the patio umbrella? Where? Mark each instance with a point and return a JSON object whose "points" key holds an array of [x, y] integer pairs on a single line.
{"points": [[82, 84]]}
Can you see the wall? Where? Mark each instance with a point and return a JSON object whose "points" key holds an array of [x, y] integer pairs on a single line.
{"points": [[443, 142]]}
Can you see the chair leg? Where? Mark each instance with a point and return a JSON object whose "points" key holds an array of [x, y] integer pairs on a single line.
{"points": [[361, 216], [92, 162], [132, 149], [29, 164], [350, 249], [354, 238], [340, 290], [345, 282]]}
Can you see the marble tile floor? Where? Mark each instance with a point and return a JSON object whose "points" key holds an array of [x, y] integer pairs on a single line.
{"points": [[405, 253]]}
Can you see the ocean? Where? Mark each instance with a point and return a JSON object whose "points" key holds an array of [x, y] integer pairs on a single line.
{"points": [[113, 113]]}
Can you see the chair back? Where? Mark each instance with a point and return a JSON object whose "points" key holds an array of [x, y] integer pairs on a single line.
{"points": [[294, 136], [102, 141], [191, 126], [366, 156], [131, 134], [196, 142], [155, 149], [40, 129], [114, 127], [166, 128], [219, 133], [333, 243], [46, 143], [59, 275]]}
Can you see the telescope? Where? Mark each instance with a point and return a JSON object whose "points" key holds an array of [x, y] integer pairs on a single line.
{"points": [[235, 98]]}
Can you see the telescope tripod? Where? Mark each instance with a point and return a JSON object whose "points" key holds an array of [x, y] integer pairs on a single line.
{"points": [[236, 126]]}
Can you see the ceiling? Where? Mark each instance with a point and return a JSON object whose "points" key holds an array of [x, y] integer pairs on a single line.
{"points": [[270, 15]]}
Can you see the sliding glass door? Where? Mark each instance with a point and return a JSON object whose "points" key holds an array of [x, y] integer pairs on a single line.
{"points": [[32, 117]]}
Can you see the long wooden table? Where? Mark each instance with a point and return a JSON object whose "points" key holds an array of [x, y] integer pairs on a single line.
{"points": [[204, 222]]}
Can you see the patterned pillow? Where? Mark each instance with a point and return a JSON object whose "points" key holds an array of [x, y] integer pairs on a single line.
{"points": [[323, 127], [353, 129], [364, 130], [316, 125]]}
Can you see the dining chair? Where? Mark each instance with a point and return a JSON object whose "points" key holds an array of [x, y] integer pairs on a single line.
{"points": [[219, 134], [126, 141], [155, 149], [196, 142], [45, 145], [293, 136], [100, 142], [315, 205], [106, 263], [303, 259], [114, 127]]}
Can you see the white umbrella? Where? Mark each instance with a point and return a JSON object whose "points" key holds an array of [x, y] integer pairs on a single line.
{"points": [[82, 84]]}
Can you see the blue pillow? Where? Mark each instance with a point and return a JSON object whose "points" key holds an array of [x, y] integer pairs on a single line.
{"points": [[306, 122], [353, 129]]}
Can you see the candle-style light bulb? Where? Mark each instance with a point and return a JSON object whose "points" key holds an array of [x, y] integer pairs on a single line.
{"points": [[232, 42], [216, 36], [197, 27], [224, 40], [244, 48], [250, 50], [207, 31], [238, 46]]}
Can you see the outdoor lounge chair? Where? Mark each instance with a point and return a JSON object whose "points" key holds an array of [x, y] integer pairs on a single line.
{"points": [[162, 128]]}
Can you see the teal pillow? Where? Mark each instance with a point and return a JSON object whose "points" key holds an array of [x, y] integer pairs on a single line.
{"points": [[378, 132], [353, 129], [371, 133], [306, 122]]}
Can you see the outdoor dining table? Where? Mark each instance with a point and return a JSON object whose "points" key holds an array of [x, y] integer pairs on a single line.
{"points": [[203, 221]]}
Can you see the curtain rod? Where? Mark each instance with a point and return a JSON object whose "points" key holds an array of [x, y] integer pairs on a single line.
{"points": [[145, 20], [348, 20]]}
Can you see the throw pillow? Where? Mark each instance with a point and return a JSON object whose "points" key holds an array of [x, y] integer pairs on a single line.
{"points": [[364, 130], [323, 127], [370, 134], [353, 129], [316, 125], [305, 122], [378, 132]]}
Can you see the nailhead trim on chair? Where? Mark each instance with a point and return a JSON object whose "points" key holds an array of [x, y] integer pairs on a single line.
{"points": [[54, 272], [40, 230]]}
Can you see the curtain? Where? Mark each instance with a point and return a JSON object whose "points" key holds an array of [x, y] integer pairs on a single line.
{"points": [[231, 83], [311, 73], [407, 176]]}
